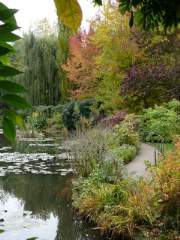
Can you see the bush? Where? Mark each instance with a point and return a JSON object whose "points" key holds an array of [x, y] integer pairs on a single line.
{"points": [[174, 105], [117, 118], [159, 124], [144, 86], [56, 120], [125, 133], [37, 120], [73, 112], [125, 152]]}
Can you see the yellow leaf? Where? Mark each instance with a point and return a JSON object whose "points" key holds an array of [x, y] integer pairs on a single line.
{"points": [[69, 12]]}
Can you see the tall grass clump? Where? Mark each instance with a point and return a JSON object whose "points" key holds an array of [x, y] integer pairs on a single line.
{"points": [[88, 149]]}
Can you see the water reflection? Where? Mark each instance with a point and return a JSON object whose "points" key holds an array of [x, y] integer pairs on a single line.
{"points": [[35, 193], [39, 206]]}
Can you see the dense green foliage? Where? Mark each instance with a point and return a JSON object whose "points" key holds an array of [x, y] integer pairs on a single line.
{"points": [[152, 14], [38, 57], [74, 112], [161, 123], [10, 100]]}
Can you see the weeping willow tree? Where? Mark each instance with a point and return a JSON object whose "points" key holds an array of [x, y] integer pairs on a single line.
{"points": [[41, 74], [64, 34], [41, 70], [40, 54]]}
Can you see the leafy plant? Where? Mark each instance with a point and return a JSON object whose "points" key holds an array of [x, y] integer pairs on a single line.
{"points": [[174, 105], [10, 100], [152, 15], [125, 133], [124, 152], [38, 120], [74, 111], [159, 124]]}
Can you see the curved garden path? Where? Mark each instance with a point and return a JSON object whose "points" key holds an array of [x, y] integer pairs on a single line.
{"points": [[138, 167]]}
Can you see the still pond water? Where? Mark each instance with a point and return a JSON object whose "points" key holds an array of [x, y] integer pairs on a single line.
{"points": [[35, 194]]}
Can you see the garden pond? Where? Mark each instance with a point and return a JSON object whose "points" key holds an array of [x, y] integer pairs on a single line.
{"points": [[35, 193]]}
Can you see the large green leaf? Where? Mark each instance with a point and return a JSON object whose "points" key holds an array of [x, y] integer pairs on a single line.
{"points": [[5, 12], [8, 28], [7, 16], [11, 86], [15, 118], [69, 12], [6, 71], [7, 36], [9, 129], [5, 48], [15, 101], [11, 103]]}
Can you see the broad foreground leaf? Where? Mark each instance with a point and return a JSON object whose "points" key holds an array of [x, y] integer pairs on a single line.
{"points": [[9, 129], [69, 12], [16, 101], [11, 86]]}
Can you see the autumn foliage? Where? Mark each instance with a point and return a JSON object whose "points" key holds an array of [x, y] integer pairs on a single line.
{"points": [[80, 65]]}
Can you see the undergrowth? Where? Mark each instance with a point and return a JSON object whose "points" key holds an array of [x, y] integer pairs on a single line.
{"points": [[133, 207]]}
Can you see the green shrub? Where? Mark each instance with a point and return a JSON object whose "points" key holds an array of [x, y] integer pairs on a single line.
{"points": [[37, 120], [125, 152], [159, 124], [74, 111], [125, 133], [174, 105], [56, 121]]}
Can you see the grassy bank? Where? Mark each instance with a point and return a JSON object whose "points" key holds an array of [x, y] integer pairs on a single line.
{"points": [[133, 208]]}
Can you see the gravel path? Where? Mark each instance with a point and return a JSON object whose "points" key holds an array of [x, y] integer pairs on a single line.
{"points": [[138, 167]]}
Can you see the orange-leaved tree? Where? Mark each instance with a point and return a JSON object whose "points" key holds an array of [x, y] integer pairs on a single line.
{"points": [[80, 65]]}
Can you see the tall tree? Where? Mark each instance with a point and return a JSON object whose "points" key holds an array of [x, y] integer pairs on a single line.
{"points": [[80, 65], [117, 51], [64, 34], [41, 76]]}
